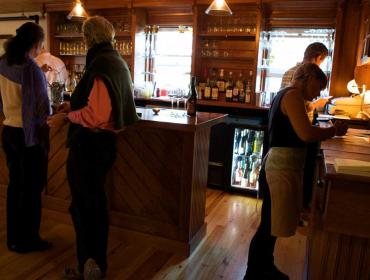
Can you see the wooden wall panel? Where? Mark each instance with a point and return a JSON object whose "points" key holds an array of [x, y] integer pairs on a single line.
{"points": [[170, 16], [346, 46], [339, 257]]}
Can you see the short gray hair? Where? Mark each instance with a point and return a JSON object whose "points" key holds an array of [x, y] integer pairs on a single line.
{"points": [[97, 30]]}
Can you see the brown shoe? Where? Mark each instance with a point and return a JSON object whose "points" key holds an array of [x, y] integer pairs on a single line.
{"points": [[92, 270]]}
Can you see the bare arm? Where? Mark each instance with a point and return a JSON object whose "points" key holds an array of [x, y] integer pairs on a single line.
{"points": [[293, 106]]}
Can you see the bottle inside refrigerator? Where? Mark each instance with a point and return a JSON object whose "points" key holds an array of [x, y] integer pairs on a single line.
{"points": [[246, 158]]}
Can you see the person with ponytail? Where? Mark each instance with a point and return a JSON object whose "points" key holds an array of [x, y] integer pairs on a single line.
{"points": [[25, 138]]}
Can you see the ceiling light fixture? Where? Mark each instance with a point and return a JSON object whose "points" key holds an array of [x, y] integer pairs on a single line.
{"points": [[219, 8], [78, 11]]}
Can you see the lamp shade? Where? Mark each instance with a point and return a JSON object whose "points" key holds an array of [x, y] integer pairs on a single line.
{"points": [[78, 11], [352, 87], [219, 8]]}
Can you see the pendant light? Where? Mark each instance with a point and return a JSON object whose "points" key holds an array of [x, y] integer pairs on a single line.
{"points": [[219, 8], [78, 11]]}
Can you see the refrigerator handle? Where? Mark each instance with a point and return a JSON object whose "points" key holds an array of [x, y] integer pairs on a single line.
{"points": [[213, 163]]}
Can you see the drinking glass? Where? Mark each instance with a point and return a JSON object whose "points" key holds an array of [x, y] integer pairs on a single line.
{"points": [[171, 95]]}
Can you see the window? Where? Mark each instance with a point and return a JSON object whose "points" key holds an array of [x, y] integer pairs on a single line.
{"points": [[283, 49], [172, 58], [166, 60]]}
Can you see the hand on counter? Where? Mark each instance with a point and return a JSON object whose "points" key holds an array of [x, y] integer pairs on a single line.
{"points": [[57, 120]]}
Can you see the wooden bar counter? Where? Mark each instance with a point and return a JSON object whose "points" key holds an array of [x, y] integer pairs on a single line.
{"points": [[339, 236], [157, 187]]}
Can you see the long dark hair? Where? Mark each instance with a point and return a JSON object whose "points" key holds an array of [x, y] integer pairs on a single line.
{"points": [[28, 35]]}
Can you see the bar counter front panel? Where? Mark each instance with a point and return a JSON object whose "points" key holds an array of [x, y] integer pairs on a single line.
{"points": [[158, 183]]}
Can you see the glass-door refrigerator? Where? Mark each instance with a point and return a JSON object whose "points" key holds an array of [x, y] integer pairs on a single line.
{"points": [[246, 155]]}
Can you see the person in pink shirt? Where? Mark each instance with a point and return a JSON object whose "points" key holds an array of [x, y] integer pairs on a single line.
{"points": [[101, 105]]}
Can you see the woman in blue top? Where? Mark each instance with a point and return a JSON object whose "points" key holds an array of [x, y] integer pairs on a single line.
{"points": [[281, 176], [25, 105]]}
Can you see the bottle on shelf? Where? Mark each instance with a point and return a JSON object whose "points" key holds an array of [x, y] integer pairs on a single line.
{"points": [[248, 93], [237, 138], [229, 78], [238, 172], [229, 90], [235, 93], [243, 142], [214, 90], [207, 90], [221, 81], [240, 86], [245, 178], [250, 142], [191, 105], [258, 141]]}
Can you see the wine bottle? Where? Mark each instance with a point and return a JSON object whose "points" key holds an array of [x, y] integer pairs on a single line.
{"points": [[191, 105]]}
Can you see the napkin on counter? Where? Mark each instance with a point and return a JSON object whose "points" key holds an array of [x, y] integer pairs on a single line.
{"points": [[352, 166]]}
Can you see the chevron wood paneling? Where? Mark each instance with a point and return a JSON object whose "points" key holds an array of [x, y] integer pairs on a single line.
{"points": [[157, 185], [159, 178]]}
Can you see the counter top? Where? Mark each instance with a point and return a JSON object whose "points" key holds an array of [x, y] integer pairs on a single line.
{"points": [[204, 102], [177, 119], [354, 145]]}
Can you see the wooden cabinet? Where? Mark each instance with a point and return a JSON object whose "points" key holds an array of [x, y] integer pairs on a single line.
{"points": [[66, 39], [228, 43], [339, 237]]}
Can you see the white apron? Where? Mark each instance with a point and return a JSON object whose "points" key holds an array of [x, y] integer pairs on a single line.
{"points": [[284, 174]]}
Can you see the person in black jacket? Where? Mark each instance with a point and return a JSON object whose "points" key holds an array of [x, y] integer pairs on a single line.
{"points": [[101, 106]]}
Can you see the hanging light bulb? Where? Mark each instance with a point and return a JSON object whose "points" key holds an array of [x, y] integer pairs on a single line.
{"points": [[78, 11], [219, 8]]}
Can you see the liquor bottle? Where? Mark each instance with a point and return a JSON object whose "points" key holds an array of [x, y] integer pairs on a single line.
{"points": [[235, 93], [229, 90], [229, 78], [248, 93], [202, 85], [207, 90], [221, 81], [214, 89], [240, 86], [191, 106]]}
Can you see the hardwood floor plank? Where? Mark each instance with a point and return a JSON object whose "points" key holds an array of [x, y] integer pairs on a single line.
{"points": [[231, 223]]}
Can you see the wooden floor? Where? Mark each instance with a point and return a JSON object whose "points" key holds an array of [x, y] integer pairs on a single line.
{"points": [[232, 221]]}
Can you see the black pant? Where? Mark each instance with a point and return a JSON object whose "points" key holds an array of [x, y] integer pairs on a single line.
{"points": [[309, 172], [261, 249], [27, 178], [90, 158]]}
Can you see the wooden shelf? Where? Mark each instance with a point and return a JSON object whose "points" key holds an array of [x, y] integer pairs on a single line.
{"points": [[69, 35], [226, 34], [123, 34], [217, 103], [80, 35], [227, 57], [72, 54]]}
